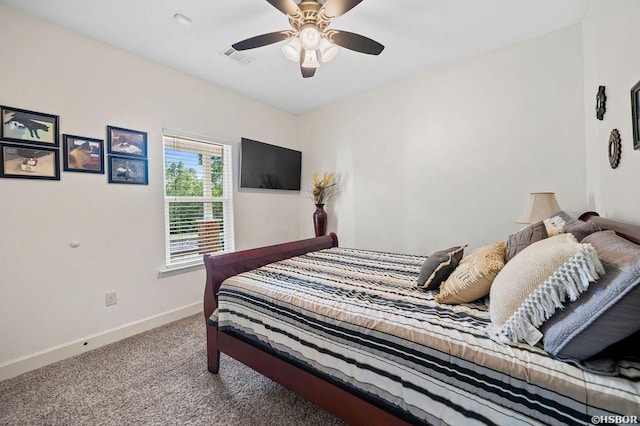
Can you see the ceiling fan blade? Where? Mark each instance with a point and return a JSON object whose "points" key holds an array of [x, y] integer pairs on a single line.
{"points": [[355, 42], [306, 72], [334, 8], [261, 40], [288, 7]]}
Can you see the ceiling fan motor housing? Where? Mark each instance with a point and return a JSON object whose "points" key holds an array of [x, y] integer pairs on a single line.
{"points": [[310, 13]]}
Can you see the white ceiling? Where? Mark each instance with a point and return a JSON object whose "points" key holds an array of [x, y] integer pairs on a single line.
{"points": [[418, 35]]}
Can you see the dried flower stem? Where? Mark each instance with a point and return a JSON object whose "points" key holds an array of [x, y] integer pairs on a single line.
{"points": [[324, 189]]}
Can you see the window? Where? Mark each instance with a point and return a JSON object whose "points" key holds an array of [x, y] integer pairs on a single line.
{"points": [[198, 198]]}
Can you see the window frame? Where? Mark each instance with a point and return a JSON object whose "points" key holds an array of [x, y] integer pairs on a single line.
{"points": [[226, 199]]}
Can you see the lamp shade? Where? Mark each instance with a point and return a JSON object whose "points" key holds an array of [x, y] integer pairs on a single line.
{"points": [[541, 206], [310, 37], [327, 50], [292, 50], [310, 59]]}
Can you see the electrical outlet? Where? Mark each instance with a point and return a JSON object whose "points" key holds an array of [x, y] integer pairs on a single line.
{"points": [[110, 298]]}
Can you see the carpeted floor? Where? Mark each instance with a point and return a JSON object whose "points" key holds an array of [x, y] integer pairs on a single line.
{"points": [[155, 378]]}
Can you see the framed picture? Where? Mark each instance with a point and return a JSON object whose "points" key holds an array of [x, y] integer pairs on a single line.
{"points": [[33, 128], [29, 162], [82, 154], [635, 111], [126, 142], [128, 170]]}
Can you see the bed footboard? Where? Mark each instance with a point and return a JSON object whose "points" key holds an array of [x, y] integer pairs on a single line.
{"points": [[220, 267]]}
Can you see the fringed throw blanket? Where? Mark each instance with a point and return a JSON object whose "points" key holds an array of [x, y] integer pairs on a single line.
{"points": [[356, 318]]}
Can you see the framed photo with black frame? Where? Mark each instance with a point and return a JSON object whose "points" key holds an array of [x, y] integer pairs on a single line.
{"points": [[126, 142], [30, 127], [635, 112], [82, 154], [29, 162], [128, 170]]}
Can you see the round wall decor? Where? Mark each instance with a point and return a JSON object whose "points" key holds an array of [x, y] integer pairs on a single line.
{"points": [[601, 103], [615, 146]]}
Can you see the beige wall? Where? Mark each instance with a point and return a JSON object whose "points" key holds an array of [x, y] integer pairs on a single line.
{"points": [[50, 293], [611, 34], [449, 157]]}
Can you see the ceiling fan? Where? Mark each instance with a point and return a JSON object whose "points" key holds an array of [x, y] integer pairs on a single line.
{"points": [[311, 41]]}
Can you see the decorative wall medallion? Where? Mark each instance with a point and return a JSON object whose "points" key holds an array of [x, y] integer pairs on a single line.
{"points": [[601, 103], [635, 112], [615, 146]]}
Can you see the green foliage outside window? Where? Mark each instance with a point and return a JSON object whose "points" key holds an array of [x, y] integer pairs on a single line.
{"points": [[183, 181]]}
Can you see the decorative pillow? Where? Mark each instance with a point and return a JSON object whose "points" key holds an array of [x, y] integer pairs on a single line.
{"points": [[625, 349], [437, 267], [523, 238], [561, 223], [609, 361], [535, 283], [554, 224], [605, 314], [581, 229], [472, 279]]}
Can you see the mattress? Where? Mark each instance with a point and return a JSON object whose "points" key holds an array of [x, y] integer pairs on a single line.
{"points": [[356, 319]]}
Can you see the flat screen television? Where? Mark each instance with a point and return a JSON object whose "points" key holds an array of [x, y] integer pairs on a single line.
{"points": [[268, 166]]}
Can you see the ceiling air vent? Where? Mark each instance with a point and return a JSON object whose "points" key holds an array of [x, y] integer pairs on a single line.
{"points": [[232, 53]]}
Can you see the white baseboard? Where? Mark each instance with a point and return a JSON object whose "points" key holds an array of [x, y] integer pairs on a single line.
{"points": [[48, 356]]}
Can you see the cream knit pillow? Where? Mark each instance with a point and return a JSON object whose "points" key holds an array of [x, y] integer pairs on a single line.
{"points": [[535, 283], [472, 278]]}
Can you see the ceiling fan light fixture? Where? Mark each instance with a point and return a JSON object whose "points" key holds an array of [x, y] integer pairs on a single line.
{"points": [[292, 49], [310, 37], [328, 51], [310, 59]]}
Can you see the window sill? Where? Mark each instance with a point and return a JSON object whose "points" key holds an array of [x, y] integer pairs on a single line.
{"points": [[169, 271]]}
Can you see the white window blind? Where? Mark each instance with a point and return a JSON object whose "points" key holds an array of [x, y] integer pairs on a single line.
{"points": [[198, 199]]}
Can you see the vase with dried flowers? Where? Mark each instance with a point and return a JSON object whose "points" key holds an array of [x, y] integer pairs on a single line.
{"points": [[323, 190]]}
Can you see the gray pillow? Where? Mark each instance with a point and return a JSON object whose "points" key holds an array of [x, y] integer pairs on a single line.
{"points": [[523, 238], [437, 267], [561, 222], [608, 311], [581, 229]]}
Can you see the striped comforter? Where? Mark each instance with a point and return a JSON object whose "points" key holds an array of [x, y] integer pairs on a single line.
{"points": [[355, 318]]}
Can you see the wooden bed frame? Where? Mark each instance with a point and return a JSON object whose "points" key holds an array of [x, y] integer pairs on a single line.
{"points": [[328, 396]]}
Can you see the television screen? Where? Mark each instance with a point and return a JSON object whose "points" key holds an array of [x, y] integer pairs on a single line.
{"points": [[268, 166]]}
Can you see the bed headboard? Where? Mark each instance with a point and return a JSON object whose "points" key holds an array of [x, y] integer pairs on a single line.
{"points": [[626, 230]]}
